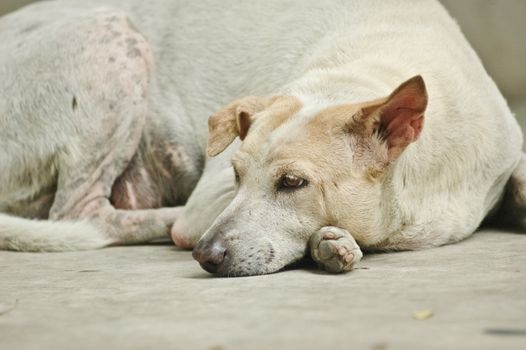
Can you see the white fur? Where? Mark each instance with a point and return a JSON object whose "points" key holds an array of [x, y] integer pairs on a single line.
{"points": [[51, 236]]}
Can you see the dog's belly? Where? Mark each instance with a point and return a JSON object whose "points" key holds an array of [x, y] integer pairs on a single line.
{"points": [[162, 173], [134, 189]]}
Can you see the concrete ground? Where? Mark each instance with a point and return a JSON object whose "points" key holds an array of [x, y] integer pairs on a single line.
{"points": [[156, 297]]}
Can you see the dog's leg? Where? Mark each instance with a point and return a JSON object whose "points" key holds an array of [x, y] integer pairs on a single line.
{"points": [[334, 249], [513, 209], [108, 122]]}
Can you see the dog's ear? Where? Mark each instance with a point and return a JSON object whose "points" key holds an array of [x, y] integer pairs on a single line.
{"points": [[398, 119], [233, 120]]}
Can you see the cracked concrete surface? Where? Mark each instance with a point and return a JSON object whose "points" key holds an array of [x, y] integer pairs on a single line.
{"points": [[157, 297]]}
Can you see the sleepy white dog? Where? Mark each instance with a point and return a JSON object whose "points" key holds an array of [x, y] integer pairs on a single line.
{"points": [[367, 124]]}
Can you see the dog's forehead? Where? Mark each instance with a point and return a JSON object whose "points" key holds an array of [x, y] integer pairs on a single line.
{"points": [[266, 122], [306, 133], [312, 123], [275, 127], [282, 110]]}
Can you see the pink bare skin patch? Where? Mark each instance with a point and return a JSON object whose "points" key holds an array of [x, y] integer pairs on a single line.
{"points": [[134, 190]]}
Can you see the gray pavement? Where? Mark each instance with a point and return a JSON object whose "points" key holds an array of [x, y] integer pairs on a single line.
{"points": [[157, 297]]}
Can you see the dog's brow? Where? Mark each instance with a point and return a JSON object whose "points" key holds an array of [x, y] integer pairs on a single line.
{"points": [[285, 168], [289, 163]]}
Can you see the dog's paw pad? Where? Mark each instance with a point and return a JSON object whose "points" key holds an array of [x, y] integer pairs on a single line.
{"points": [[335, 250]]}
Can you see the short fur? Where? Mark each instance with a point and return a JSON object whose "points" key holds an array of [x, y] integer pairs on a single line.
{"points": [[104, 129]]}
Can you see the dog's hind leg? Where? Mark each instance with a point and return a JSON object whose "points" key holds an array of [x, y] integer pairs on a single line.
{"points": [[334, 249], [108, 123], [512, 211]]}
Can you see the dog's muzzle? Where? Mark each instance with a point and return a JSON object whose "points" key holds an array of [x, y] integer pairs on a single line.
{"points": [[210, 254]]}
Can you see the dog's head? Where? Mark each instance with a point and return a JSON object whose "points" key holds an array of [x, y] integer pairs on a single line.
{"points": [[301, 167]]}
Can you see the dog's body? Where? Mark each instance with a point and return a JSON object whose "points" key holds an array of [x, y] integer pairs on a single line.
{"points": [[104, 109]]}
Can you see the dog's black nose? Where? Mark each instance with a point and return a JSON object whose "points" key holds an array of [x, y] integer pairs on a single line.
{"points": [[210, 255]]}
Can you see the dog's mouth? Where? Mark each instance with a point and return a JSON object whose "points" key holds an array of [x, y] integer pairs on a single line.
{"points": [[236, 261], [210, 267], [259, 266], [240, 268]]}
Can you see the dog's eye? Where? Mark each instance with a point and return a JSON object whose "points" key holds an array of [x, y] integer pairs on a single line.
{"points": [[290, 182]]}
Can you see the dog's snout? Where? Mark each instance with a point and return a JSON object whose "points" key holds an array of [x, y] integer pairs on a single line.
{"points": [[210, 255]]}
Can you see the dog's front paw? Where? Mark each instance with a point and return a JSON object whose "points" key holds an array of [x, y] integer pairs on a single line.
{"points": [[334, 249]]}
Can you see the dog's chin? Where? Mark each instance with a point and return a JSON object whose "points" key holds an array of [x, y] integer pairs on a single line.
{"points": [[244, 271], [249, 269]]}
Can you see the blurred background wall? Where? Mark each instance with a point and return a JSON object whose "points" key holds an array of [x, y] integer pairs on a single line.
{"points": [[10, 5], [497, 31], [495, 28]]}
